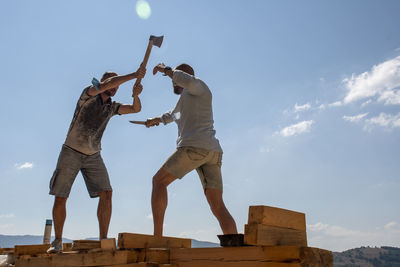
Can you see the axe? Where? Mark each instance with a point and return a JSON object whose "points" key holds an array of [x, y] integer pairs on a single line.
{"points": [[153, 40]]}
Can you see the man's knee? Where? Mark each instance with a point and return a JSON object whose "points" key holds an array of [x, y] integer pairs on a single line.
{"points": [[106, 195], [162, 179]]}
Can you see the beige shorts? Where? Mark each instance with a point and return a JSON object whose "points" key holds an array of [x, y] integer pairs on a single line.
{"points": [[207, 164]]}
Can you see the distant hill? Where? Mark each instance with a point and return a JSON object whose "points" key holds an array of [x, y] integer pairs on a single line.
{"points": [[368, 257], [9, 241]]}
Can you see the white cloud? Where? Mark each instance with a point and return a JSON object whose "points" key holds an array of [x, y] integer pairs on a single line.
{"points": [[382, 80], [295, 129], [369, 101], [338, 238], [299, 108], [26, 165], [149, 216], [335, 104], [322, 106], [355, 118], [384, 120], [7, 216], [391, 225]]}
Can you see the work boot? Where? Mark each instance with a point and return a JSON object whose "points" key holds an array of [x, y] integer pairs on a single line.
{"points": [[231, 240], [56, 246]]}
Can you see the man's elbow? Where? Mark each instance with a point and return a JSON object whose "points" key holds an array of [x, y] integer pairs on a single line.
{"points": [[136, 109]]}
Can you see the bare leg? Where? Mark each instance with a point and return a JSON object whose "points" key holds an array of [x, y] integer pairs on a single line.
{"points": [[227, 223], [104, 212], [159, 199], [59, 215]]}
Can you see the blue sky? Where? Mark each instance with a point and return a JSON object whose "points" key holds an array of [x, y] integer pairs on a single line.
{"points": [[306, 98]]}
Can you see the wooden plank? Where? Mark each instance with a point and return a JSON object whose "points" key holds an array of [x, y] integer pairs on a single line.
{"points": [[205, 263], [6, 251], [67, 247], [315, 257], [263, 235], [277, 217], [276, 253], [85, 244], [74, 258], [141, 264], [156, 255], [31, 249], [129, 240], [108, 244]]}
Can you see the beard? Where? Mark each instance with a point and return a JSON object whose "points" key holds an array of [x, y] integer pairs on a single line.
{"points": [[110, 92], [178, 90]]}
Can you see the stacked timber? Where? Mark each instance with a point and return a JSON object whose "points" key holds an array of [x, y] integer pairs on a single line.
{"points": [[273, 238], [269, 226]]}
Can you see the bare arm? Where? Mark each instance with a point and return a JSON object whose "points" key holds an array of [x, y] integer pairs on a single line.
{"points": [[116, 81], [136, 106]]}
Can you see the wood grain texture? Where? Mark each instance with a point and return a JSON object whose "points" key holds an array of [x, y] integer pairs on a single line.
{"points": [[277, 217]]}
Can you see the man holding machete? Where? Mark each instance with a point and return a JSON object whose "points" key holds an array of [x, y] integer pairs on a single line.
{"points": [[197, 147], [81, 150]]}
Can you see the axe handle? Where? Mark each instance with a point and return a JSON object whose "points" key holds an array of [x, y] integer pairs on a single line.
{"points": [[145, 60]]}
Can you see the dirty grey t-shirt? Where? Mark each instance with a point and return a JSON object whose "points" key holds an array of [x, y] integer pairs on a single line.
{"points": [[89, 122], [193, 114]]}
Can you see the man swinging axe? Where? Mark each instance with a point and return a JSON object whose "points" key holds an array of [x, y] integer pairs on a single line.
{"points": [[81, 149]]}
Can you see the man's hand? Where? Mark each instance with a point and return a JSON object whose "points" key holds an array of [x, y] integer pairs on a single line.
{"points": [[141, 72], [137, 90], [153, 122], [159, 68]]}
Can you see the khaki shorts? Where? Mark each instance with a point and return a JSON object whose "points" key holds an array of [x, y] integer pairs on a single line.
{"points": [[207, 164], [70, 162]]}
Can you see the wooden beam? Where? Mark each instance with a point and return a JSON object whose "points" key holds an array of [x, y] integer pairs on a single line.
{"points": [[75, 258], [205, 263], [141, 264], [129, 240], [157, 255], [315, 257], [263, 235], [275, 253], [277, 217], [31, 249], [108, 244], [6, 251], [85, 244], [67, 247]]}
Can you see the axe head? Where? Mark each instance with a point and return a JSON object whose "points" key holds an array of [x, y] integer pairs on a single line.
{"points": [[157, 40]]}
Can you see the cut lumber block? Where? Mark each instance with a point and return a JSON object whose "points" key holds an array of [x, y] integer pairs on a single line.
{"points": [[273, 253], [75, 258], [108, 244], [141, 264], [85, 244], [315, 257], [263, 235], [67, 247], [31, 249], [128, 240], [205, 263], [277, 217], [155, 255], [6, 251]]}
